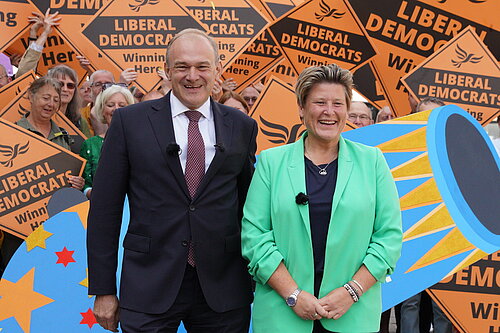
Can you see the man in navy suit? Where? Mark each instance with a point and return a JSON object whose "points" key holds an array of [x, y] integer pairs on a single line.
{"points": [[186, 179]]}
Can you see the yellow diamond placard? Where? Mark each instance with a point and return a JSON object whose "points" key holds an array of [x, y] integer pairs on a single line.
{"points": [[462, 72], [13, 20], [74, 15], [260, 56], [323, 32], [31, 170], [406, 32]]}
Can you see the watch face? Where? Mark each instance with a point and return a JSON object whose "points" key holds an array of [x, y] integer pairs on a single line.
{"points": [[291, 301]]}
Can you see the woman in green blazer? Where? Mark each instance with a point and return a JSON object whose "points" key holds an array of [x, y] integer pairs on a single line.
{"points": [[322, 222]]}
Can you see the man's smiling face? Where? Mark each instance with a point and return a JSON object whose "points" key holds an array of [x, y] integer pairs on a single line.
{"points": [[192, 68]]}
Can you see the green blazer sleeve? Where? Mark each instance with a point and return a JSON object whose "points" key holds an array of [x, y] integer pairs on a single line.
{"points": [[385, 244], [91, 151], [258, 243], [87, 171], [365, 228]]}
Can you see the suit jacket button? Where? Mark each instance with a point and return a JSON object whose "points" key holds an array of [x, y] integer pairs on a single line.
{"points": [[184, 243], [192, 208]]}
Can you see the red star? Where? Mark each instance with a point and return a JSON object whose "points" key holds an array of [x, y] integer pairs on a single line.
{"points": [[88, 318], [65, 257]]}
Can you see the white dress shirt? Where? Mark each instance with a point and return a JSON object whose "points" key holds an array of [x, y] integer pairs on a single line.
{"points": [[206, 125]]}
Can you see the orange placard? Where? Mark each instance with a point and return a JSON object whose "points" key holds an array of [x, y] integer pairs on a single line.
{"points": [[55, 52], [135, 34], [371, 86], [323, 32], [31, 170], [470, 297], [75, 14], [233, 23], [284, 71], [13, 20], [14, 88], [274, 9], [262, 9], [257, 59], [406, 32], [20, 105], [277, 115], [462, 72]]}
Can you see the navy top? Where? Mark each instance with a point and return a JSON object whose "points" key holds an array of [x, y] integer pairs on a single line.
{"points": [[320, 189]]}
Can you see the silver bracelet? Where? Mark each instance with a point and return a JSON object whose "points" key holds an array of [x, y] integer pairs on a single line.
{"points": [[356, 291], [359, 285], [351, 292]]}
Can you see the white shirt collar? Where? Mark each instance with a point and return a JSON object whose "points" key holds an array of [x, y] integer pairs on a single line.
{"points": [[178, 108]]}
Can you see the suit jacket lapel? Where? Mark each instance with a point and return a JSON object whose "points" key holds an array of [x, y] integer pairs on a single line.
{"points": [[343, 174], [160, 116], [296, 174], [223, 132]]}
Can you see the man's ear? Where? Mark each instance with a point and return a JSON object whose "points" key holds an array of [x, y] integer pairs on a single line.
{"points": [[167, 71], [219, 68]]}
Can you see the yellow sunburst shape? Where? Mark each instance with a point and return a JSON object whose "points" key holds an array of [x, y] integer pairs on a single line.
{"points": [[459, 239], [447, 173]]}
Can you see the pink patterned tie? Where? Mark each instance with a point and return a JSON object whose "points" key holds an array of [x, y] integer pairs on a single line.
{"points": [[195, 164]]}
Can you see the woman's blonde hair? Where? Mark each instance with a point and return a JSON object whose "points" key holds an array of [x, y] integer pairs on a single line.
{"points": [[103, 97], [323, 74]]}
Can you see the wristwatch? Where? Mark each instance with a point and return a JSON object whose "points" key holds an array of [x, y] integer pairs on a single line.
{"points": [[291, 300]]}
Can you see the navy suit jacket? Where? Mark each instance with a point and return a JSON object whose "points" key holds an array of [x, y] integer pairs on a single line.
{"points": [[137, 160]]}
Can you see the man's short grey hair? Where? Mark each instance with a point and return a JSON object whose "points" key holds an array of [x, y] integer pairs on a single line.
{"points": [[192, 31], [429, 100], [100, 71], [366, 105], [323, 74]]}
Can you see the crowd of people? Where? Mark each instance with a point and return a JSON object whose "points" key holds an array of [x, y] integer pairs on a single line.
{"points": [[199, 220]]}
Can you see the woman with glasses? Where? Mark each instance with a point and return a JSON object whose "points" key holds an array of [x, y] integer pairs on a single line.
{"points": [[112, 97], [70, 100], [45, 98]]}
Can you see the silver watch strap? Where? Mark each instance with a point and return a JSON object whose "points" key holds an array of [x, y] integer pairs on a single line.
{"points": [[296, 292]]}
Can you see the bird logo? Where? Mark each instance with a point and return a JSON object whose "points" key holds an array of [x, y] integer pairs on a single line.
{"points": [[326, 11], [279, 134], [137, 4], [464, 57], [22, 110], [12, 152]]}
